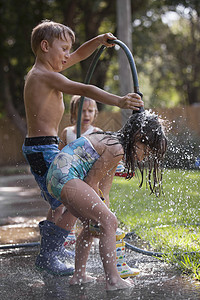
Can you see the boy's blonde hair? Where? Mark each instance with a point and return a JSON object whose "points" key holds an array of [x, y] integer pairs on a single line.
{"points": [[49, 30], [74, 105]]}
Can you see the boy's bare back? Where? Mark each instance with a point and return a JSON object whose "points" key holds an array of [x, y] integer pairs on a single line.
{"points": [[44, 105]]}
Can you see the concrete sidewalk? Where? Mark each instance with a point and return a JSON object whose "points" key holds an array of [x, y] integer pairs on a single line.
{"points": [[21, 208]]}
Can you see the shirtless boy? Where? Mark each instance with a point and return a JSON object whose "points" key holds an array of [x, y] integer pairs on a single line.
{"points": [[43, 98]]}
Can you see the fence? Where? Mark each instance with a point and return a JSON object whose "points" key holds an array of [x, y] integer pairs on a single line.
{"points": [[11, 140]]}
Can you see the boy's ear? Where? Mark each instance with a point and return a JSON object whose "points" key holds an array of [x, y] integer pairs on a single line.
{"points": [[44, 45]]}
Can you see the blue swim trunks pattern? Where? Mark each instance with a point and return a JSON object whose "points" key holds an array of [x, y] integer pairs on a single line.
{"points": [[40, 152], [73, 161]]}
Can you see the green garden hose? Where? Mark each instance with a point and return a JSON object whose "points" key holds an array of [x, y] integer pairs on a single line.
{"points": [[91, 71]]}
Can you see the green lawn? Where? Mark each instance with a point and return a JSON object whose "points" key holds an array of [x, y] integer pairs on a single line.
{"points": [[169, 222]]}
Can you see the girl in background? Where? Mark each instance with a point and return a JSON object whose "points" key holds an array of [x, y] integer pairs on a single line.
{"points": [[89, 114]]}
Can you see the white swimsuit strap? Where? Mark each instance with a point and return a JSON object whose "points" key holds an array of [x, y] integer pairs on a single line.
{"points": [[70, 135]]}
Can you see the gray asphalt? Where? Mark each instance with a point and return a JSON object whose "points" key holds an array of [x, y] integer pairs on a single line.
{"points": [[21, 208]]}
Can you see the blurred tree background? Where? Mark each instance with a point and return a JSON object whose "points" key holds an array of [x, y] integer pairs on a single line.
{"points": [[166, 48]]}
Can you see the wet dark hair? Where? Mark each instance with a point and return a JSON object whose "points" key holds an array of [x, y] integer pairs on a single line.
{"points": [[146, 128]]}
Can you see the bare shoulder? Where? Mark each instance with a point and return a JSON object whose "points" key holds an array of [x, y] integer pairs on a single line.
{"points": [[42, 75], [97, 129], [35, 77], [64, 134], [63, 138], [69, 129], [37, 85], [40, 85], [106, 144], [65, 130], [114, 147]]}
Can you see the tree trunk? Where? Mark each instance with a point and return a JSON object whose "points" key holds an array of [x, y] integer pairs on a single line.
{"points": [[125, 35]]}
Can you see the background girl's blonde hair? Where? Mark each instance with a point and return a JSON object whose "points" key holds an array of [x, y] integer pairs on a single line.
{"points": [[74, 105]]}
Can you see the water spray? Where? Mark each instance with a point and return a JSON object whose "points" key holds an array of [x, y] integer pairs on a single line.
{"points": [[136, 90], [141, 109]]}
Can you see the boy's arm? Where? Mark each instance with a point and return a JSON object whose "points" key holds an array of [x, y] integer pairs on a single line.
{"points": [[59, 82], [88, 48]]}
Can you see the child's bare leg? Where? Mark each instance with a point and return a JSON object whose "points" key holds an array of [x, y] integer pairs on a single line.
{"points": [[107, 248], [83, 245], [61, 217], [66, 220], [83, 200], [54, 215]]}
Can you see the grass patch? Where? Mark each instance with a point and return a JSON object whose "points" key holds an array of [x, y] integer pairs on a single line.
{"points": [[170, 223]]}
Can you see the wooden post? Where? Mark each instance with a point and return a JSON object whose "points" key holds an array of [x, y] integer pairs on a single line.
{"points": [[124, 33]]}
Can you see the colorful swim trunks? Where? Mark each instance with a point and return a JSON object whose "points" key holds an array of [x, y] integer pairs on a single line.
{"points": [[72, 162], [39, 153]]}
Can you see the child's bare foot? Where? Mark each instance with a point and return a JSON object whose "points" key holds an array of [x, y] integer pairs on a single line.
{"points": [[119, 284], [78, 279]]}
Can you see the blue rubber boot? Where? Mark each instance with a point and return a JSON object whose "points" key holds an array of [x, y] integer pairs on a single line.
{"points": [[63, 254], [52, 250]]}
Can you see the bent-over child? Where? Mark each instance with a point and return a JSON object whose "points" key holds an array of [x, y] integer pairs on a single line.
{"points": [[141, 143], [68, 135]]}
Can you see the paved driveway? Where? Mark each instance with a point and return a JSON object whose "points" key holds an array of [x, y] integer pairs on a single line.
{"points": [[21, 208]]}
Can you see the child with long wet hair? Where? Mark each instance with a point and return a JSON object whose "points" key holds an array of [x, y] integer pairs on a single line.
{"points": [[142, 130], [147, 129], [78, 170]]}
